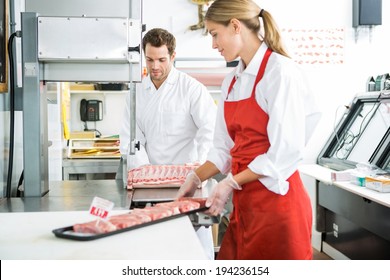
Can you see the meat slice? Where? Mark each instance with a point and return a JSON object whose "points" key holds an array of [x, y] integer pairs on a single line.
{"points": [[187, 205], [96, 227], [169, 207], [181, 206], [200, 200], [184, 204], [154, 175], [140, 216], [129, 220], [155, 213]]}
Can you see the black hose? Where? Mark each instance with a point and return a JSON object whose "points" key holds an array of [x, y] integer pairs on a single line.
{"points": [[12, 115]]}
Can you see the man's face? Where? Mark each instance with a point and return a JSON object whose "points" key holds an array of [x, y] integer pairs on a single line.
{"points": [[158, 63]]}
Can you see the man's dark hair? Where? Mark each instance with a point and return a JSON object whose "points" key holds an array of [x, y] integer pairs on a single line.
{"points": [[158, 37]]}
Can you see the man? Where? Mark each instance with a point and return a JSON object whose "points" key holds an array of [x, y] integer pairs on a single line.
{"points": [[175, 115]]}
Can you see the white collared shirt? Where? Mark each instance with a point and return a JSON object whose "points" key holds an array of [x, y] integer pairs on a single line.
{"points": [[175, 124], [293, 114]]}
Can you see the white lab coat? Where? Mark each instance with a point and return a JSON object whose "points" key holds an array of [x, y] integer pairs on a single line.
{"points": [[175, 125], [284, 94]]}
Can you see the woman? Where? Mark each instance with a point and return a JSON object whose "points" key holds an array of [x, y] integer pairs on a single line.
{"points": [[265, 118]]}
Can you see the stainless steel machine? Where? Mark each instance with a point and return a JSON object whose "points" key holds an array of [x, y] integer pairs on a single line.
{"points": [[79, 41]]}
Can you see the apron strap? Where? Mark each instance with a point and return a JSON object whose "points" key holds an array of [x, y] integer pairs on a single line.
{"points": [[231, 86], [260, 73]]}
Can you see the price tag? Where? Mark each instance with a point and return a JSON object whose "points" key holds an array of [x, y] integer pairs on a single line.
{"points": [[100, 207]]}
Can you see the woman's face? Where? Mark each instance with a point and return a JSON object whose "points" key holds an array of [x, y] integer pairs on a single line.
{"points": [[225, 38]]}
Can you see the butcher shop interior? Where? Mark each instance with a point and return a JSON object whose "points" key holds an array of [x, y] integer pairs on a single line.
{"points": [[71, 187]]}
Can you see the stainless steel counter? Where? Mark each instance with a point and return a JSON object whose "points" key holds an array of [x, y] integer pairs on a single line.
{"points": [[71, 196], [88, 166], [78, 195]]}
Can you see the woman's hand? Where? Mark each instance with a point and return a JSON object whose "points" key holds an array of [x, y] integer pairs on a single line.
{"points": [[220, 195], [190, 185]]}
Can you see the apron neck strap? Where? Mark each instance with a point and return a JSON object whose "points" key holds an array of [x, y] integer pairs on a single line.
{"points": [[260, 73]]}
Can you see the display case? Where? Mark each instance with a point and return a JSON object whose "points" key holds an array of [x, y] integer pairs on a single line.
{"points": [[362, 135], [349, 218]]}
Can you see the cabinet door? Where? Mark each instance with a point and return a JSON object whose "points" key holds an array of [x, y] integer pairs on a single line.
{"points": [[354, 225]]}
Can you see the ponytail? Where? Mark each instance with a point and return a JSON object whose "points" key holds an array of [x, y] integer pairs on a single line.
{"points": [[249, 13], [272, 36]]}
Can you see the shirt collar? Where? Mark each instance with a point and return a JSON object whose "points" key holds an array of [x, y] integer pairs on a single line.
{"points": [[253, 66], [171, 79]]}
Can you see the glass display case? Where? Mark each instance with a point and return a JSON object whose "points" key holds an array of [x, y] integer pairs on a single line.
{"points": [[354, 220], [361, 136]]}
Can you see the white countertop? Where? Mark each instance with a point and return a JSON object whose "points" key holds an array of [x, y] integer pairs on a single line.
{"points": [[323, 174], [28, 235]]}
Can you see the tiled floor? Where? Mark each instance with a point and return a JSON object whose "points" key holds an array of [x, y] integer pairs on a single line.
{"points": [[317, 255]]}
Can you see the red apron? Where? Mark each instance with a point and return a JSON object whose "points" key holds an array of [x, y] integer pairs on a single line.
{"points": [[263, 225]]}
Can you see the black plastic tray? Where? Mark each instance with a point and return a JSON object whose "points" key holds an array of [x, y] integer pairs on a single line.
{"points": [[68, 233]]}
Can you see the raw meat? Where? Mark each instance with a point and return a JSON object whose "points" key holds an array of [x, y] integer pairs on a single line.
{"points": [[155, 213], [128, 220], [173, 208], [200, 200], [154, 175], [183, 205], [97, 226], [140, 216]]}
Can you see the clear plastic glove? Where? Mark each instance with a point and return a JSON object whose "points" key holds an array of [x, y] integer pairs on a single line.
{"points": [[190, 185], [220, 194]]}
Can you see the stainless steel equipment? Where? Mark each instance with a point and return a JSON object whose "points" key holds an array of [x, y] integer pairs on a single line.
{"points": [[79, 41]]}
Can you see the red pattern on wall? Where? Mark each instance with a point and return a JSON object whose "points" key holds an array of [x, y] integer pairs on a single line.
{"points": [[316, 46]]}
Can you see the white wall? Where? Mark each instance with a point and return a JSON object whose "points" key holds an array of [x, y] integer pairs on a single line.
{"points": [[335, 85], [113, 106]]}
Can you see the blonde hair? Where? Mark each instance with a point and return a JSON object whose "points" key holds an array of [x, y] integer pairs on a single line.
{"points": [[248, 12]]}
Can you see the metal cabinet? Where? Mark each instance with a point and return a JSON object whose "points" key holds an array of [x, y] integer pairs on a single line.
{"points": [[82, 169], [356, 226]]}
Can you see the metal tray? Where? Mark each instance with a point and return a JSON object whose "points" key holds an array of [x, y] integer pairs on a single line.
{"points": [[68, 233]]}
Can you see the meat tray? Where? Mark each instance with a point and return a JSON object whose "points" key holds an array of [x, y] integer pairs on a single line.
{"points": [[68, 233]]}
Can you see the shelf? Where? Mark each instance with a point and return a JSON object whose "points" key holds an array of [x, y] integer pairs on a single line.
{"points": [[93, 148], [98, 91]]}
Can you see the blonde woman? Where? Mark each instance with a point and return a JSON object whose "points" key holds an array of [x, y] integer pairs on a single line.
{"points": [[264, 120]]}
